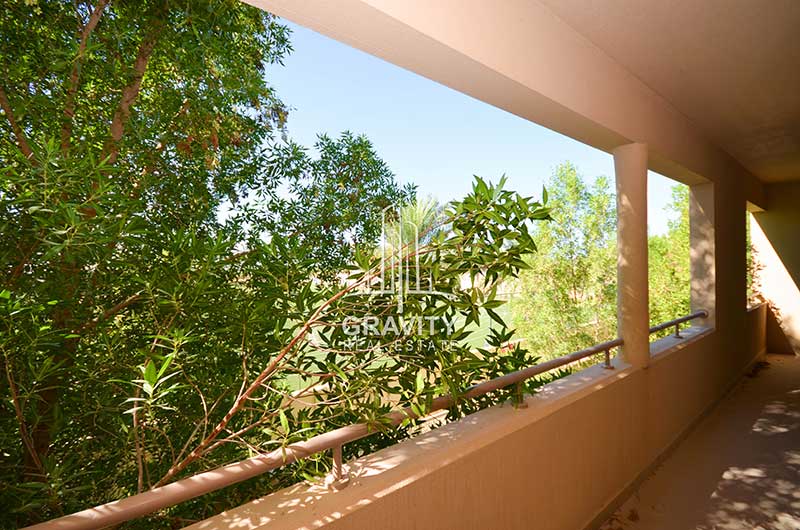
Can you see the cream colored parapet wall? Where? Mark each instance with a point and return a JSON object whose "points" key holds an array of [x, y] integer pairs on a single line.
{"points": [[519, 56], [560, 463], [776, 242]]}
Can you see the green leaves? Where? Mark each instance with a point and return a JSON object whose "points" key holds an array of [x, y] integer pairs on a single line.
{"points": [[566, 299], [386, 352], [152, 390], [336, 202], [165, 244], [668, 263]]}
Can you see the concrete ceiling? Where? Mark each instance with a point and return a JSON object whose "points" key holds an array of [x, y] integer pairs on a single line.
{"points": [[730, 66]]}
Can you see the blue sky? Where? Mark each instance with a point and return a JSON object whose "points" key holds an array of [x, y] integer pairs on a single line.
{"points": [[427, 133]]}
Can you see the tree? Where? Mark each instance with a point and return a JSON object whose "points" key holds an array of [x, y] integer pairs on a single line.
{"points": [[668, 262], [208, 394], [360, 344], [566, 299], [335, 203], [161, 291], [414, 223], [125, 129]]}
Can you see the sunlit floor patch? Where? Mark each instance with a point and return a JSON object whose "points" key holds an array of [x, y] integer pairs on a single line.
{"points": [[738, 470]]}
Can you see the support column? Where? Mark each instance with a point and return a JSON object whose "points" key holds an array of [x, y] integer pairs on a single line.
{"points": [[633, 314], [702, 252]]}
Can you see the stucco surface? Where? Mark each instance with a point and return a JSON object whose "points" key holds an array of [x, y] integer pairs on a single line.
{"points": [[776, 240]]}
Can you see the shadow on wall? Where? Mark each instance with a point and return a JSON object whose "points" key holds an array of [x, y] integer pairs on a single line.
{"points": [[775, 243], [777, 341], [702, 251]]}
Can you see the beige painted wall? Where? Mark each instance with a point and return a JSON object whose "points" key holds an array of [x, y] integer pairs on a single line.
{"points": [[776, 240], [560, 463], [757, 330]]}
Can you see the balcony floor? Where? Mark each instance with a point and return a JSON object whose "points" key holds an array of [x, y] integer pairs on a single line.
{"points": [[739, 469]]}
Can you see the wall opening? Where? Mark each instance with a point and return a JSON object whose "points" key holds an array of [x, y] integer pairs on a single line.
{"points": [[669, 263], [566, 300]]}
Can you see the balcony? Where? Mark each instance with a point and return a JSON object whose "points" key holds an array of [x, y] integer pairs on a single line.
{"points": [[700, 430], [575, 450], [613, 445], [739, 468]]}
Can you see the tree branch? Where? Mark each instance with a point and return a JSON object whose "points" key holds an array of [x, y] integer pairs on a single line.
{"points": [[23, 430], [69, 104], [203, 447], [109, 313], [19, 268], [139, 449], [131, 92], [243, 254], [22, 141]]}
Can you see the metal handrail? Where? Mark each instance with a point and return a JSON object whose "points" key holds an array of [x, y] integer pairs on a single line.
{"points": [[677, 322], [182, 490]]}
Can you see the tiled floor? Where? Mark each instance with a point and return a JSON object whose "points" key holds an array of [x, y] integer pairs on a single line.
{"points": [[738, 470]]}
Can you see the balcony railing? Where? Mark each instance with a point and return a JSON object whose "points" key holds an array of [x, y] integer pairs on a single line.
{"points": [[129, 508], [676, 323]]}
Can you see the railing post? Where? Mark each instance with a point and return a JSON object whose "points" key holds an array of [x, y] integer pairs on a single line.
{"points": [[678, 331], [630, 167], [607, 364], [519, 396], [339, 477]]}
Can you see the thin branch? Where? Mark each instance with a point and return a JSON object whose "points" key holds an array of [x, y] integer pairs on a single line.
{"points": [[22, 141], [19, 268], [238, 255], [241, 432], [131, 92], [74, 78], [138, 447], [202, 447], [202, 424], [164, 435], [244, 360], [23, 429], [108, 313]]}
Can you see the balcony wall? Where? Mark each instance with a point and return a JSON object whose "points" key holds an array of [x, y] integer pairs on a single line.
{"points": [[561, 463], [777, 254]]}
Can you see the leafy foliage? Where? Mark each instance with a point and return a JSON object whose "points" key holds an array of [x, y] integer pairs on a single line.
{"points": [[417, 222], [146, 265], [668, 261], [566, 300], [172, 296], [169, 262], [335, 202], [203, 359]]}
